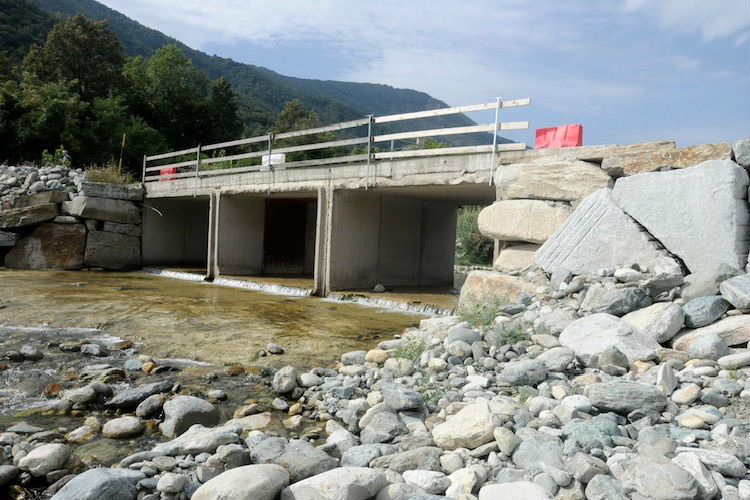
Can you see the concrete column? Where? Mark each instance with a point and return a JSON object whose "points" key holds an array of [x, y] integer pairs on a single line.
{"points": [[239, 234], [322, 240], [212, 268]]}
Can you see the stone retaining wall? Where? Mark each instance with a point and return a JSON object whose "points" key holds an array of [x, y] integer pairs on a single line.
{"points": [[538, 189], [52, 218]]}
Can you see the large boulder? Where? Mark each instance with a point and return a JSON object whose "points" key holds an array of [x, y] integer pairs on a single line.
{"points": [[598, 235], [483, 287], [112, 250], [471, 427], [591, 335], [197, 439], [133, 192], [50, 246], [522, 220], [518, 490], [27, 216], [734, 330], [652, 475], [652, 159], [621, 396], [550, 179], [299, 458], [342, 483], [741, 149], [660, 321], [44, 459], [128, 399], [181, 412], [515, 257], [699, 214], [101, 484], [90, 207], [249, 482]]}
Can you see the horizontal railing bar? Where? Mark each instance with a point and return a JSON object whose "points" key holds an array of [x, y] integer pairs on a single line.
{"points": [[238, 170], [323, 161], [190, 163], [179, 175], [237, 142], [174, 153], [322, 145], [385, 155], [451, 111], [239, 156], [320, 130], [450, 131]]}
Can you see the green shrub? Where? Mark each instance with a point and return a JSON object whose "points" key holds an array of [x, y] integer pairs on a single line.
{"points": [[411, 349], [484, 312], [472, 247]]}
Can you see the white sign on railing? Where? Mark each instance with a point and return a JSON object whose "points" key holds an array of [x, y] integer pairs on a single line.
{"points": [[276, 159]]}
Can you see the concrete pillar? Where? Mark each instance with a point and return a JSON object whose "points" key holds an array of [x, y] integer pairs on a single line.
{"points": [[239, 234], [175, 231], [322, 240], [212, 268]]}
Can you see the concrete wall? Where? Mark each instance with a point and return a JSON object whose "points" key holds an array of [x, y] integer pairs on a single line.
{"points": [[179, 236], [353, 252], [438, 243], [240, 234], [392, 240], [400, 242]]}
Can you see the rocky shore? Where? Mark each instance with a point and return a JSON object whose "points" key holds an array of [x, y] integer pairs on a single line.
{"points": [[624, 384]]}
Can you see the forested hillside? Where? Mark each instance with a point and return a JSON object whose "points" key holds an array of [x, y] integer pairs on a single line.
{"points": [[262, 93]]}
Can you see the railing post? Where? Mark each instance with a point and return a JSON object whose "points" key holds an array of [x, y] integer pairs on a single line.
{"points": [[270, 164], [369, 149], [197, 169], [143, 179], [494, 141]]}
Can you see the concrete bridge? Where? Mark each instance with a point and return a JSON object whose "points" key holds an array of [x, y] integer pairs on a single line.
{"points": [[350, 221]]}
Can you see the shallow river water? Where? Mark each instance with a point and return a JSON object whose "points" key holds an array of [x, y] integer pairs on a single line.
{"points": [[195, 320]]}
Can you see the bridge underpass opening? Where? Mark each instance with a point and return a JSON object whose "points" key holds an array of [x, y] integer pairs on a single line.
{"points": [[259, 236], [399, 237], [175, 232]]}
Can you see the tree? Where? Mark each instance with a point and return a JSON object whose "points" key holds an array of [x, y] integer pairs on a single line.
{"points": [[225, 124], [295, 117], [171, 94], [81, 51]]}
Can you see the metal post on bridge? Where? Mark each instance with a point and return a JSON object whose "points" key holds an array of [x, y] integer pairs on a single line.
{"points": [[494, 140], [270, 164], [197, 169], [143, 179], [369, 149]]}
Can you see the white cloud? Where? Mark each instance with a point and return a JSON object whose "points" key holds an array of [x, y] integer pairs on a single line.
{"points": [[684, 63], [712, 18]]}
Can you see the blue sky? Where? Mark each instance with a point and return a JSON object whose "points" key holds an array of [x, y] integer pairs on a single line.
{"points": [[628, 70]]}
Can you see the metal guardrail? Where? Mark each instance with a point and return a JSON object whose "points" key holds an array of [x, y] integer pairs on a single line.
{"points": [[203, 165]]}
